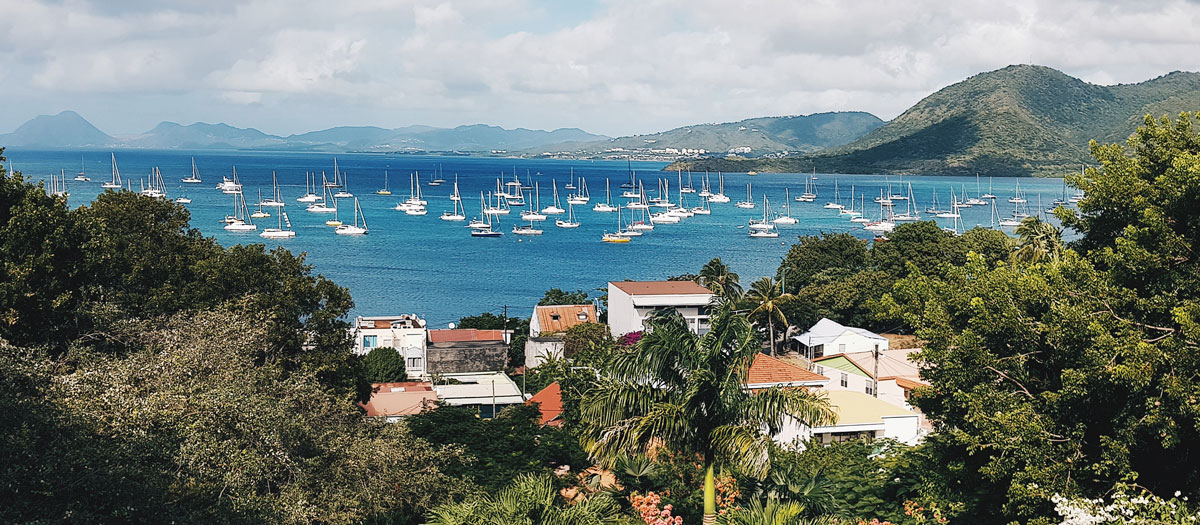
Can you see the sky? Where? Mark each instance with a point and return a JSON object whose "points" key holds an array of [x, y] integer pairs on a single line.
{"points": [[615, 67]]}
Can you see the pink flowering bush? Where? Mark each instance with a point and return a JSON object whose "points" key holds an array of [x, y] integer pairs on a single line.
{"points": [[647, 508]]}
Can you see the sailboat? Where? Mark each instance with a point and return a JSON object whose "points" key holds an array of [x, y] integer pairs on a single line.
{"points": [[1018, 197], [989, 194], [641, 203], [279, 232], [458, 213], [337, 177], [194, 178], [384, 190], [749, 202], [639, 226], [688, 188], [808, 195], [884, 224], [115, 183], [58, 185], [230, 186], [344, 192], [620, 236], [952, 213], [182, 198], [323, 205], [260, 214], [479, 228], [606, 206], [582, 196], [786, 218], [534, 214], [570, 182], [719, 197], [632, 177], [834, 205], [763, 229], [635, 228], [849, 210], [975, 201], [862, 205], [241, 216], [704, 190], [910, 214], [310, 180], [335, 221], [354, 229], [81, 176], [526, 230], [703, 209], [276, 200], [554, 209], [437, 177]]}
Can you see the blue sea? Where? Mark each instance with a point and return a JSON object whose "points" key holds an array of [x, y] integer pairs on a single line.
{"points": [[423, 265]]}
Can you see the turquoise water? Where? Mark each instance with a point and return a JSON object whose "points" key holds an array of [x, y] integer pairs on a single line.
{"points": [[423, 265]]}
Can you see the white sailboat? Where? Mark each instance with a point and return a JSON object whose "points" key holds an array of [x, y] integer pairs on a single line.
{"points": [[280, 232], [182, 198], [310, 180], [527, 230], [703, 209], [354, 229], [479, 228], [335, 221], [808, 195], [570, 222], [859, 219], [230, 185], [241, 216], [911, 213], [1018, 197], [786, 218], [337, 177], [554, 209], [620, 236], [194, 178], [260, 214], [275, 200], [763, 229], [115, 183], [688, 188], [458, 213], [81, 176], [582, 196], [534, 214], [719, 197], [747, 204], [606, 206], [635, 228], [834, 205], [322, 206]]}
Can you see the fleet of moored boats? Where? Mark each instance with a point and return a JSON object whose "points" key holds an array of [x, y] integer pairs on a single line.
{"points": [[636, 211]]}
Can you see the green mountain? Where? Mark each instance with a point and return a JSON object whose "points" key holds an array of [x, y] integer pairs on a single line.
{"points": [[763, 135], [1020, 120], [64, 130]]}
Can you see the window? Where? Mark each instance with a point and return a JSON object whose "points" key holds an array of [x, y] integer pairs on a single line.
{"points": [[818, 351], [554, 317], [845, 379], [370, 341], [582, 316], [414, 362], [842, 348], [870, 388]]}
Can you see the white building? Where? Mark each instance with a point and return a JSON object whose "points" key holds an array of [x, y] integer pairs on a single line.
{"points": [[859, 416], [630, 302], [546, 327], [829, 337], [406, 333]]}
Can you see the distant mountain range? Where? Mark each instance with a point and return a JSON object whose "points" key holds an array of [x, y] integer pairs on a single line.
{"points": [[69, 130], [1020, 120], [763, 135]]}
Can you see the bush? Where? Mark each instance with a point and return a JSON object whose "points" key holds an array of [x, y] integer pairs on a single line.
{"points": [[384, 365]]}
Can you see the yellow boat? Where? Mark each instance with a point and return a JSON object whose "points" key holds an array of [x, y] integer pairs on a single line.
{"points": [[333, 222], [612, 237], [751, 173]]}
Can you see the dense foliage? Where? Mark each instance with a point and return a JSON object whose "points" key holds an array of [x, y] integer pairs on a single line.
{"points": [[383, 364]]}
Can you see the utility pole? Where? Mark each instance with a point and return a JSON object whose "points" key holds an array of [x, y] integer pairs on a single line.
{"points": [[876, 378], [504, 332]]}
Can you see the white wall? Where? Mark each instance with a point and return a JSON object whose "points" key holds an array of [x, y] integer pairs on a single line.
{"points": [[622, 316], [536, 351], [905, 429], [409, 342]]}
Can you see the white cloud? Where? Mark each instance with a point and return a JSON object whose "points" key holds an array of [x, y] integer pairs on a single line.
{"points": [[629, 66]]}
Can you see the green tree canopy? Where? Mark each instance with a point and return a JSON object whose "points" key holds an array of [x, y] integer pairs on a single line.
{"points": [[556, 296], [383, 364], [815, 254]]}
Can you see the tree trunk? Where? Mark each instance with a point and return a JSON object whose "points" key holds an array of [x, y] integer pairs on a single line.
{"points": [[771, 333], [710, 496]]}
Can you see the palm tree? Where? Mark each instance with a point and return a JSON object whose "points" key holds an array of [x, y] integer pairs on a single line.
{"points": [[769, 299], [529, 499], [1037, 240], [717, 277], [677, 391]]}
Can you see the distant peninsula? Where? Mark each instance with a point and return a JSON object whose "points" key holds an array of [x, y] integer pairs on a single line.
{"points": [[1017, 121]]}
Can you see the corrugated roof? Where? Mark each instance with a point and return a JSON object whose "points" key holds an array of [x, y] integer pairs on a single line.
{"points": [[891, 363], [661, 287], [549, 401], [399, 399], [464, 334], [558, 318], [769, 370], [857, 408]]}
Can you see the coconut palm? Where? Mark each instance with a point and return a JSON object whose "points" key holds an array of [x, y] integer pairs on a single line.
{"points": [[768, 299], [717, 277], [528, 500], [677, 391], [1037, 240]]}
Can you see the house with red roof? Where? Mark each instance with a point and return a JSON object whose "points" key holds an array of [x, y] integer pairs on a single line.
{"points": [[549, 401], [392, 401]]}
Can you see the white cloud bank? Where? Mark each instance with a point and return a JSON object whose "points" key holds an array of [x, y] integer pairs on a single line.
{"points": [[614, 67]]}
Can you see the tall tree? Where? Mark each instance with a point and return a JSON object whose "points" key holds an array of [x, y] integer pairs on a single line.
{"points": [[383, 364], [721, 280], [685, 393], [1038, 241], [813, 255], [769, 300]]}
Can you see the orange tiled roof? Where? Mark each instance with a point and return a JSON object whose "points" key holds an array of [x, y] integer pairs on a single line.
{"points": [[561, 317], [550, 403], [399, 399], [768, 370], [457, 335], [661, 288]]}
